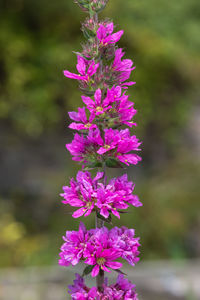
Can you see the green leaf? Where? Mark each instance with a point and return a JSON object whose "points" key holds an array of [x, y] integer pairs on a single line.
{"points": [[120, 272], [113, 163], [88, 34], [82, 55], [87, 270], [108, 220], [87, 92], [96, 164], [100, 9]]}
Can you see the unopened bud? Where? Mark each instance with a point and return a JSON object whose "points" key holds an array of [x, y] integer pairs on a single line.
{"points": [[94, 6]]}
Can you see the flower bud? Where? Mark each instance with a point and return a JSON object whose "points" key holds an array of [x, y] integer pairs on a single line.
{"points": [[83, 4], [91, 6]]}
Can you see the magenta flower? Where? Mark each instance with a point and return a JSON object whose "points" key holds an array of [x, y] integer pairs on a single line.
{"points": [[82, 193], [86, 70], [124, 189], [123, 68], [72, 251], [81, 117], [123, 143], [78, 147], [126, 144], [116, 144], [124, 240], [83, 149], [122, 289], [90, 195], [100, 248], [80, 291], [79, 285], [108, 202], [126, 111], [103, 259], [111, 141], [97, 107], [122, 109], [106, 36], [115, 108]]}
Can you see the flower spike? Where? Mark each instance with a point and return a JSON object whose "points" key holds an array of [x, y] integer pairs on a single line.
{"points": [[102, 140]]}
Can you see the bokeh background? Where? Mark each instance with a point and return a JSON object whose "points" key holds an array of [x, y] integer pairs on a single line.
{"points": [[37, 38]]}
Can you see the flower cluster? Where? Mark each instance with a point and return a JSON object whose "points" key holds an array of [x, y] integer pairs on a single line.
{"points": [[112, 111], [100, 248], [122, 289], [116, 145], [101, 140], [92, 195], [93, 75]]}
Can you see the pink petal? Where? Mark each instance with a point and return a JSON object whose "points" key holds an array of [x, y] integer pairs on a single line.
{"points": [[97, 97], [76, 126], [92, 69], [129, 159], [98, 176], [72, 75], [75, 202], [115, 213], [78, 213], [82, 114], [81, 66], [88, 212], [114, 264], [128, 83], [101, 33], [135, 201], [104, 212], [110, 28], [105, 269], [95, 271], [74, 116], [116, 36], [88, 101]]}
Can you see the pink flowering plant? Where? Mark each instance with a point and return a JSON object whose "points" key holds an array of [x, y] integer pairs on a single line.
{"points": [[101, 141]]}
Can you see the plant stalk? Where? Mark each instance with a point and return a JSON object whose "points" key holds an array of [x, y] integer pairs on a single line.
{"points": [[100, 276], [100, 224]]}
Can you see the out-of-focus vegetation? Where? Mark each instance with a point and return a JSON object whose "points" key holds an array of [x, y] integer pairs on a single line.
{"points": [[36, 43]]}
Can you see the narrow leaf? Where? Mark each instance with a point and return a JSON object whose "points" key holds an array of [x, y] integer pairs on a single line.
{"points": [[113, 163], [87, 270], [108, 220], [120, 272], [90, 166]]}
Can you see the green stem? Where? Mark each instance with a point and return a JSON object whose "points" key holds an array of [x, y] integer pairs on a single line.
{"points": [[100, 224], [100, 276]]}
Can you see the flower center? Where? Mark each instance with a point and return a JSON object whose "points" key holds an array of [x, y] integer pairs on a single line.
{"points": [[88, 125], [107, 146], [99, 108], [88, 204], [101, 261]]}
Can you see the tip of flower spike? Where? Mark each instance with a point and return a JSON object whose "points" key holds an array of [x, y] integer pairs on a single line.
{"points": [[91, 5]]}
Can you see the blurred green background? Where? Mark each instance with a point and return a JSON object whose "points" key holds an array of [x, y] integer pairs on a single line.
{"points": [[36, 43]]}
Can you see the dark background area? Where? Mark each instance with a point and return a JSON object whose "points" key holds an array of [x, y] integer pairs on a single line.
{"points": [[36, 43]]}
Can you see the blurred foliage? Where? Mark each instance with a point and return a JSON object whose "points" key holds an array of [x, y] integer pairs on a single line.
{"points": [[36, 43]]}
